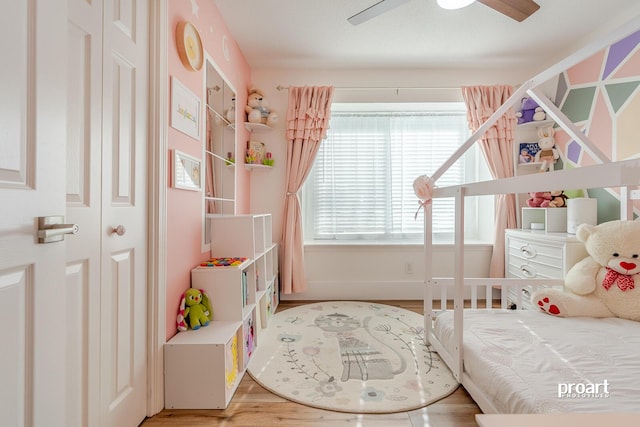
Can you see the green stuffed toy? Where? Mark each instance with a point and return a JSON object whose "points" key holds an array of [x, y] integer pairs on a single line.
{"points": [[195, 310]]}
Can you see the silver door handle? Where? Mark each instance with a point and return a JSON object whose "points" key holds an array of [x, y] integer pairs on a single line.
{"points": [[119, 230], [52, 229]]}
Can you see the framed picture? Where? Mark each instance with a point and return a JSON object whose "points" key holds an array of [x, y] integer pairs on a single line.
{"points": [[527, 152], [187, 172], [185, 109], [256, 152]]}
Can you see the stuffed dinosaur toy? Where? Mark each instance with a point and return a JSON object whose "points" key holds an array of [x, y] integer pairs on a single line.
{"points": [[604, 284], [195, 310]]}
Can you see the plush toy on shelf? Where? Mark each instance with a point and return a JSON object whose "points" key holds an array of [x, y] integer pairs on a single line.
{"points": [[539, 199], [530, 111], [604, 284], [258, 110], [195, 310], [558, 199], [548, 154]]}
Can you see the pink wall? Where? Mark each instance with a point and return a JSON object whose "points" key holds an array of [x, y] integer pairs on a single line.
{"points": [[184, 208]]}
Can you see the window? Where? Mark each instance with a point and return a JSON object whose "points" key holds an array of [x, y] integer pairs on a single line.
{"points": [[361, 185]]}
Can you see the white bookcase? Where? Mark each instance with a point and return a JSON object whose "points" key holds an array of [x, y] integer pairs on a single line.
{"points": [[243, 298]]}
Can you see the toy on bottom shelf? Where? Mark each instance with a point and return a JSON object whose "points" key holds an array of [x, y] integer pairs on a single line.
{"points": [[539, 199], [195, 310], [604, 284], [558, 199]]}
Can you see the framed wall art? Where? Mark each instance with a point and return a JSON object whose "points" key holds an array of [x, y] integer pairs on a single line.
{"points": [[187, 172], [185, 109]]}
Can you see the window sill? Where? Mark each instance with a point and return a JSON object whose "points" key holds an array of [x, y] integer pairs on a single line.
{"points": [[386, 245]]}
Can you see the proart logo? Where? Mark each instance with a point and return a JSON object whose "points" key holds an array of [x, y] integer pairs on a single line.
{"points": [[584, 390]]}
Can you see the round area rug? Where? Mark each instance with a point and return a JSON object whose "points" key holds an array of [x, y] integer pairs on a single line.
{"points": [[350, 356]]}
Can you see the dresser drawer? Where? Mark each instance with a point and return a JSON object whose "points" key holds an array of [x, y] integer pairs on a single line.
{"points": [[547, 254], [525, 269]]}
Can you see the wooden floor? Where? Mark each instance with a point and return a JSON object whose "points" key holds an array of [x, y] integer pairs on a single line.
{"points": [[252, 405]]}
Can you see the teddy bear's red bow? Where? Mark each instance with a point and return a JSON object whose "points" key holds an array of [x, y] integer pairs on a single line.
{"points": [[625, 282]]}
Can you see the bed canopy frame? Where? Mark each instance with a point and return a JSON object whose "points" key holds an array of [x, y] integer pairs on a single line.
{"points": [[623, 174]]}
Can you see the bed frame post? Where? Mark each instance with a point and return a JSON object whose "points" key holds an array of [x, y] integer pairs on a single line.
{"points": [[428, 272], [458, 282]]}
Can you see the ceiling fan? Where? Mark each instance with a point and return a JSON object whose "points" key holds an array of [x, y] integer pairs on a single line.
{"points": [[514, 9]]}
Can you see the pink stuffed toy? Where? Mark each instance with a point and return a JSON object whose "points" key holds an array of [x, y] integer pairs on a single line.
{"points": [[540, 199]]}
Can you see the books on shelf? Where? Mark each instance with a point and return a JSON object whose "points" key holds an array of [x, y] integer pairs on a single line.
{"points": [[223, 262], [527, 152]]}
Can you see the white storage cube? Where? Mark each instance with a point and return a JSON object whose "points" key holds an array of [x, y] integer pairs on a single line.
{"points": [[553, 219], [220, 366]]}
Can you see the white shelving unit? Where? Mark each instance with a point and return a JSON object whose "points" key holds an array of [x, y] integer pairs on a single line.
{"points": [[243, 298], [526, 132]]}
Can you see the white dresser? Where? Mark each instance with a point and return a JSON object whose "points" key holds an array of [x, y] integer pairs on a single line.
{"points": [[533, 254]]}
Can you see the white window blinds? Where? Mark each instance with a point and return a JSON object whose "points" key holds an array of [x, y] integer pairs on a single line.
{"points": [[361, 185]]}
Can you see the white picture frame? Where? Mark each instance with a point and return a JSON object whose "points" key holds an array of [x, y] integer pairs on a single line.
{"points": [[185, 109], [186, 173]]}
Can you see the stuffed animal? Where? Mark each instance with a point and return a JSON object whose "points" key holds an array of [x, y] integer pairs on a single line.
{"points": [[230, 113], [558, 199], [539, 199], [195, 310], [548, 154], [258, 110], [530, 111], [604, 284]]}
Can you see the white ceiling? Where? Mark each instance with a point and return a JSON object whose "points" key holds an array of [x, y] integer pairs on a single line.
{"points": [[417, 34]]}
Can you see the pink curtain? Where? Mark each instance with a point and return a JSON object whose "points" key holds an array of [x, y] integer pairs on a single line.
{"points": [[497, 147], [307, 123]]}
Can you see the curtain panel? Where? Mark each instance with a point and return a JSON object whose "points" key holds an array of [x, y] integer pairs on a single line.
{"points": [[308, 115]]}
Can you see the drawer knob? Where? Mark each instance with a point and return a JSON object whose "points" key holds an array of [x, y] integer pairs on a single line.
{"points": [[527, 251], [527, 271]]}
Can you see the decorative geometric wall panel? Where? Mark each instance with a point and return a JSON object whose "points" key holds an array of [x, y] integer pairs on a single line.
{"points": [[601, 125], [562, 88], [577, 106], [629, 68], [587, 71], [628, 135], [574, 150], [619, 93], [619, 51]]}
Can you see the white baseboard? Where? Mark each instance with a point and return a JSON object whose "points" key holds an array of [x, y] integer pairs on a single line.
{"points": [[323, 291]]}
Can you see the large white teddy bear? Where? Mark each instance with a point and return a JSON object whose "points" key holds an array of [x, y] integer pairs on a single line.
{"points": [[604, 284]]}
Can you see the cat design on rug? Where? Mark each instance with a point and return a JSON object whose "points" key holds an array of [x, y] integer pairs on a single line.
{"points": [[360, 360]]}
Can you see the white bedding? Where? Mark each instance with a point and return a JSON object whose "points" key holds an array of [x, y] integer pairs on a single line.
{"points": [[521, 358]]}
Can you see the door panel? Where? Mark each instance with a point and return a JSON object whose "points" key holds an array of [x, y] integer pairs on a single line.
{"points": [[32, 141]]}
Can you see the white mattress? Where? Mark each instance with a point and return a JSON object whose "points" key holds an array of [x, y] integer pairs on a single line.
{"points": [[519, 358]]}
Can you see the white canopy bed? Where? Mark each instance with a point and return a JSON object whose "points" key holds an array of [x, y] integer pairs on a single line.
{"points": [[517, 361]]}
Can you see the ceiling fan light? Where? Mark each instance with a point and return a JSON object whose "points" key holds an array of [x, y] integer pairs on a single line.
{"points": [[454, 4]]}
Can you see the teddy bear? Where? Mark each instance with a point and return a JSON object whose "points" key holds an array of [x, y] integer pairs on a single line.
{"points": [[604, 284], [258, 110], [195, 310], [530, 111], [558, 199], [548, 154], [539, 199]]}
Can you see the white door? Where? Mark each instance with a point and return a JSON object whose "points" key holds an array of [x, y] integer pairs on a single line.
{"points": [[106, 190], [32, 162]]}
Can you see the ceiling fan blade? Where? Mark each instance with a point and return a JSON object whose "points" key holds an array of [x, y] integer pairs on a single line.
{"points": [[515, 9], [375, 10]]}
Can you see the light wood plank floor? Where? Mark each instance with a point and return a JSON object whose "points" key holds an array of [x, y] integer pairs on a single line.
{"points": [[252, 405]]}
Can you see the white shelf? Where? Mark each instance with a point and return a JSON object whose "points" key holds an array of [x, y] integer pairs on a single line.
{"points": [[537, 124], [251, 166], [257, 127]]}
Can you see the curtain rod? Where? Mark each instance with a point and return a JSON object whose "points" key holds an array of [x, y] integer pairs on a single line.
{"points": [[396, 88]]}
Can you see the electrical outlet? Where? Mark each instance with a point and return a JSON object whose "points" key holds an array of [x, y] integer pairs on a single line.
{"points": [[634, 194], [408, 267]]}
